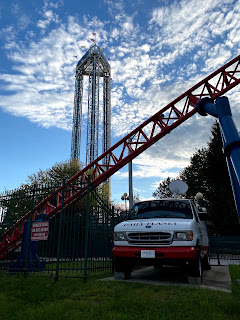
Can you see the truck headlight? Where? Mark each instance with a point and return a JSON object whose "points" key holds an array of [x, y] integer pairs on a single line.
{"points": [[120, 236], [183, 235]]}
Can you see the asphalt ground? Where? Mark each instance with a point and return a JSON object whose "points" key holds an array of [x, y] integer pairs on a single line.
{"points": [[218, 278]]}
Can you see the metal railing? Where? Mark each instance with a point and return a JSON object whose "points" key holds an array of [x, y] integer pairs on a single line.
{"points": [[224, 250]]}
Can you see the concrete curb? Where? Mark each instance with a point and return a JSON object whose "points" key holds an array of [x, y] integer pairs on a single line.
{"points": [[218, 278]]}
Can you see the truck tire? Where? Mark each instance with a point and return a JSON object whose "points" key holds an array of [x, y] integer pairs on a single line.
{"points": [[123, 266], [118, 265], [196, 266], [127, 273], [206, 262]]}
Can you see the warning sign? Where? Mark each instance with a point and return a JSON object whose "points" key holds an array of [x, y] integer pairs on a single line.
{"points": [[40, 231]]}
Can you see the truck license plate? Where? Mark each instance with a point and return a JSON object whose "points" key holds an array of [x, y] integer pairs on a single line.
{"points": [[147, 253]]}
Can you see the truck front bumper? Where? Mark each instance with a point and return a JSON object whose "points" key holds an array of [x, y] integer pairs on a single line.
{"points": [[168, 253]]}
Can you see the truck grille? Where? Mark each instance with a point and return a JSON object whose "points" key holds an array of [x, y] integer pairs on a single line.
{"points": [[150, 238]]}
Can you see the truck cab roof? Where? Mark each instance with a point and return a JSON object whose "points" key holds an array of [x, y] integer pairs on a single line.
{"points": [[162, 208]]}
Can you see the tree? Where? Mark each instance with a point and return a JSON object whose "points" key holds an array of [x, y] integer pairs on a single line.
{"points": [[162, 190], [136, 197], [195, 175], [56, 174], [18, 202], [14, 204], [208, 173]]}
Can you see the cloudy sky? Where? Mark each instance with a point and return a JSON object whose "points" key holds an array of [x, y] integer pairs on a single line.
{"points": [[157, 50]]}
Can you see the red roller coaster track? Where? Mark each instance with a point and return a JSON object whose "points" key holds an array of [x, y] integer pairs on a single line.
{"points": [[133, 144]]}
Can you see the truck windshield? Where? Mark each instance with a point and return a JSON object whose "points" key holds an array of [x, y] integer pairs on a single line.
{"points": [[161, 209]]}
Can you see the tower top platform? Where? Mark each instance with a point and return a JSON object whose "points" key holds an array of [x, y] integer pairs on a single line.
{"points": [[85, 64]]}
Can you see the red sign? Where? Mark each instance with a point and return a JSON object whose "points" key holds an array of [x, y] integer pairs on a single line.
{"points": [[40, 231]]}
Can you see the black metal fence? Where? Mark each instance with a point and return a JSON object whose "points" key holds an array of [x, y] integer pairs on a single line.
{"points": [[77, 241], [224, 250]]}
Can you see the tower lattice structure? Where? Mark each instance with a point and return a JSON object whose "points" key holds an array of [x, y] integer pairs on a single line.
{"points": [[94, 65]]}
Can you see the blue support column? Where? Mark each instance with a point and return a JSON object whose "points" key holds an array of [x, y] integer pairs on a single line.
{"points": [[235, 186], [230, 136]]}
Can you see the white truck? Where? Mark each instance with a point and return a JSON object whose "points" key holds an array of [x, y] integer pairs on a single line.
{"points": [[162, 232]]}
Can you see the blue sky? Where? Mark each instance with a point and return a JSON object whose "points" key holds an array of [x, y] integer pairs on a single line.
{"points": [[156, 49]]}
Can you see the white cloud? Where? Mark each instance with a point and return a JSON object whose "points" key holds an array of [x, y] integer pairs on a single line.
{"points": [[49, 16], [23, 20], [218, 56], [50, 4]]}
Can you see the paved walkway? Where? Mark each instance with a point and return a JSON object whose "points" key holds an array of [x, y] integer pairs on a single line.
{"points": [[218, 278]]}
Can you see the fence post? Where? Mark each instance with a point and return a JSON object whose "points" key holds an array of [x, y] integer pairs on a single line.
{"points": [[218, 259], [59, 233], [112, 229], [28, 237], [86, 231]]}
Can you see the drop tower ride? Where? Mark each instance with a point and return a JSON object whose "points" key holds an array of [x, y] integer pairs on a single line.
{"points": [[93, 65]]}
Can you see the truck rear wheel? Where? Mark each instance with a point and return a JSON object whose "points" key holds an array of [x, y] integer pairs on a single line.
{"points": [[206, 262]]}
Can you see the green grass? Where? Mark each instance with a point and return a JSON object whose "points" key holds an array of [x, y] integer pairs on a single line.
{"points": [[39, 298]]}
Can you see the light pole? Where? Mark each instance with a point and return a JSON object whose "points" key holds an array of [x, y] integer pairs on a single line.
{"points": [[199, 198], [130, 179], [201, 209]]}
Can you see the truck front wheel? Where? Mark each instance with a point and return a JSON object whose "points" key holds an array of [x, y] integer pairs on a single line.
{"points": [[195, 266], [123, 266]]}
